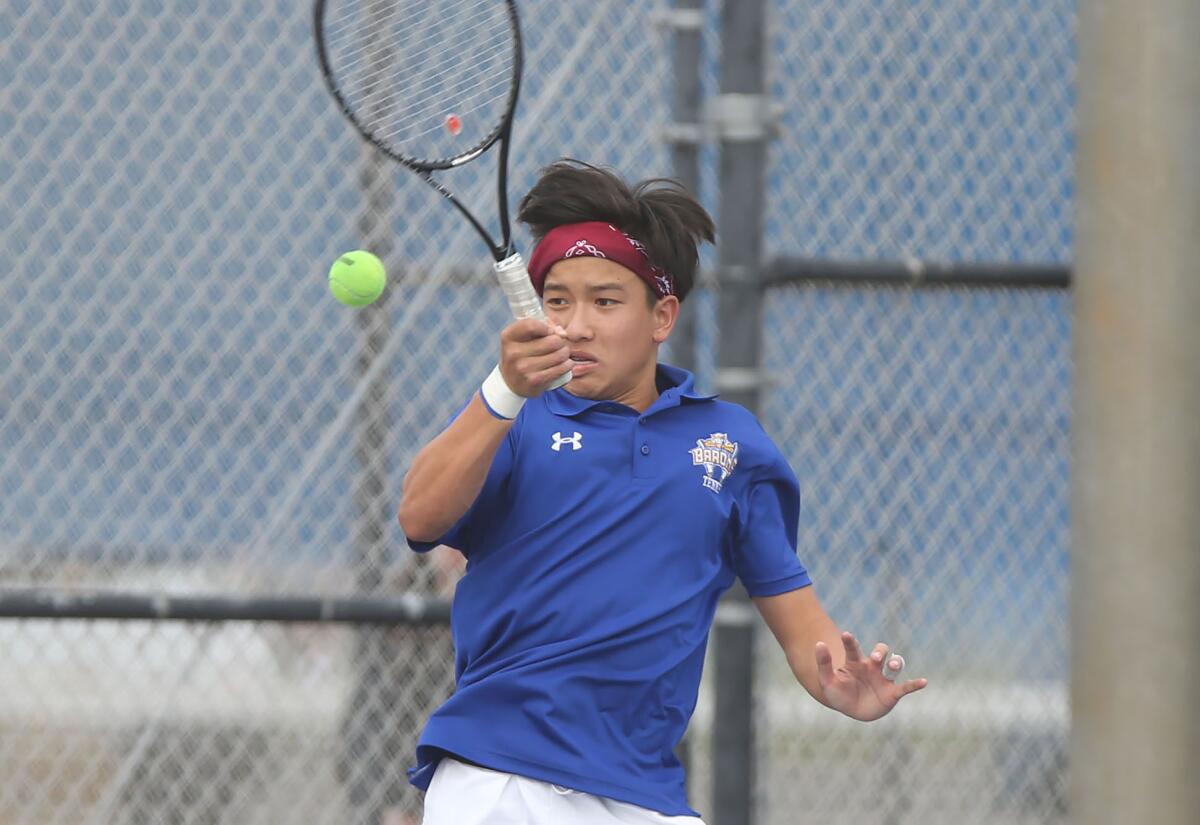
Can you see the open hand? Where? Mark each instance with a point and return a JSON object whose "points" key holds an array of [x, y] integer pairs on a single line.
{"points": [[858, 688]]}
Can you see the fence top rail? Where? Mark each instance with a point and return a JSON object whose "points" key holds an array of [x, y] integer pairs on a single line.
{"points": [[45, 603], [915, 273]]}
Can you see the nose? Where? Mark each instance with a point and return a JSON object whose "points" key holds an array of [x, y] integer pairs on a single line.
{"points": [[577, 325]]}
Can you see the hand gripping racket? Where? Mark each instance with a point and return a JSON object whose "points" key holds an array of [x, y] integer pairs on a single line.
{"points": [[433, 84]]}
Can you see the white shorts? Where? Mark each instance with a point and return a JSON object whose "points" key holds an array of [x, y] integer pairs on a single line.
{"points": [[462, 794]]}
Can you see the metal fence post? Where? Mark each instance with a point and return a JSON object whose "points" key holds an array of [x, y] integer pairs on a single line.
{"points": [[369, 789], [1135, 558], [371, 499], [685, 19], [740, 118], [684, 134]]}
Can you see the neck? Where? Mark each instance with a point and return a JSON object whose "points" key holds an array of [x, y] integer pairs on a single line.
{"points": [[644, 390], [639, 394]]}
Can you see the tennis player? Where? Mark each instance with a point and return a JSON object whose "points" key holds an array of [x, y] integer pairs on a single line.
{"points": [[601, 522]]}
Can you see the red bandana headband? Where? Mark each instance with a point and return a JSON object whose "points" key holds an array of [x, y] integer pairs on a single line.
{"points": [[596, 239]]}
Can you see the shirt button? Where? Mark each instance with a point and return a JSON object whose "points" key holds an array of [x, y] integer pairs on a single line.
{"points": [[641, 421], [645, 449]]}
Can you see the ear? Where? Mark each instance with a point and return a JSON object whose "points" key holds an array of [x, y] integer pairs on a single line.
{"points": [[666, 313]]}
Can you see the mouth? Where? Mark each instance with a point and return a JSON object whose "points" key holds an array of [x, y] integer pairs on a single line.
{"points": [[581, 363]]}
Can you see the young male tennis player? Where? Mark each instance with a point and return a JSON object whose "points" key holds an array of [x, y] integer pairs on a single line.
{"points": [[602, 521]]}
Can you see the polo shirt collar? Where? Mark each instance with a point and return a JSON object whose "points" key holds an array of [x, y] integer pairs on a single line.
{"points": [[681, 387]]}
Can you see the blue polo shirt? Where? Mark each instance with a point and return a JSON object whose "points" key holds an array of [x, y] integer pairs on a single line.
{"points": [[596, 553]]}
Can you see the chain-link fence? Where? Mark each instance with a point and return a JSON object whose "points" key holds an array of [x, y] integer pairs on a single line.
{"points": [[933, 444], [929, 427], [180, 391], [933, 129], [184, 410]]}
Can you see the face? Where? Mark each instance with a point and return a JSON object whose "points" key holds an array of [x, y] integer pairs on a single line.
{"points": [[613, 330]]}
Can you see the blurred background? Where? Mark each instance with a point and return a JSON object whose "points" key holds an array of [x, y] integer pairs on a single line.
{"points": [[188, 418]]}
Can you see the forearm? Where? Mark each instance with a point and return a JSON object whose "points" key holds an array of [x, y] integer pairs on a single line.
{"points": [[799, 621], [448, 473], [830, 664], [800, 656]]}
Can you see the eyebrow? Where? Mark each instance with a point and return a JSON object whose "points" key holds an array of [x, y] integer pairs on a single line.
{"points": [[555, 287]]}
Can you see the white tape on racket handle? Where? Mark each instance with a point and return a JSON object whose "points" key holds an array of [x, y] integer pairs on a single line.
{"points": [[523, 300]]}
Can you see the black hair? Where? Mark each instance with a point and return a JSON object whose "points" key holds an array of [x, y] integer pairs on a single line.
{"points": [[659, 212]]}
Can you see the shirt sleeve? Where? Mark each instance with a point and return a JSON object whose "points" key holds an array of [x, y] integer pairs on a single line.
{"points": [[491, 498], [764, 553]]}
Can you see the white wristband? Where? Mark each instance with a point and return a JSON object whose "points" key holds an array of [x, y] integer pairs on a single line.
{"points": [[500, 400]]}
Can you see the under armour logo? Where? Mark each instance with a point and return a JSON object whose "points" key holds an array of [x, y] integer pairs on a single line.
{"points": [[576, 441]]}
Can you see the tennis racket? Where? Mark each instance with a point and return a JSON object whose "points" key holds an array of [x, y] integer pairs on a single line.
{"points": [[433, 84]]}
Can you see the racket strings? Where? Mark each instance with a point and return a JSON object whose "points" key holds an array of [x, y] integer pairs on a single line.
{"points": [[359, 30], [408, 102], [383, 104], [482, 102], [404, 69]]}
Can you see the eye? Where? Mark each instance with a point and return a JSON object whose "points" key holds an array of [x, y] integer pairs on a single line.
{"points": [[607, 302], [556, 302]]}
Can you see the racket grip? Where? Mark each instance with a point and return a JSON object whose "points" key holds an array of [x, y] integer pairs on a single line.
{"points": [[518, 289], [523, 300]]}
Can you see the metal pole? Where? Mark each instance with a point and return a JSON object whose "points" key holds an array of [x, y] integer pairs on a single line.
{"points": [[408, 610], [739, 116], [373, 502], [686, 21], [1135, 603], [372, 780], [369, 780], [917, 274]]}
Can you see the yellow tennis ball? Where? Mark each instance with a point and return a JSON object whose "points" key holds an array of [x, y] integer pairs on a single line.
{"points": [[357, 278]]}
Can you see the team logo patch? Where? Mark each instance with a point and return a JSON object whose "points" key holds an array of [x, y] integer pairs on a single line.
{"points": [[718, 456], [576, 441]]}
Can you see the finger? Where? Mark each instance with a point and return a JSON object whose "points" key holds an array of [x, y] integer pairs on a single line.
{"points": [[553, 342], [879, 652], [553, 361], [912, 686], [853, 651], [527, 329], [893, 666], [824, 663], [544, 378]]}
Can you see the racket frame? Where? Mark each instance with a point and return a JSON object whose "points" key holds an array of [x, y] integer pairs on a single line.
{"points": [[425, 168]]}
